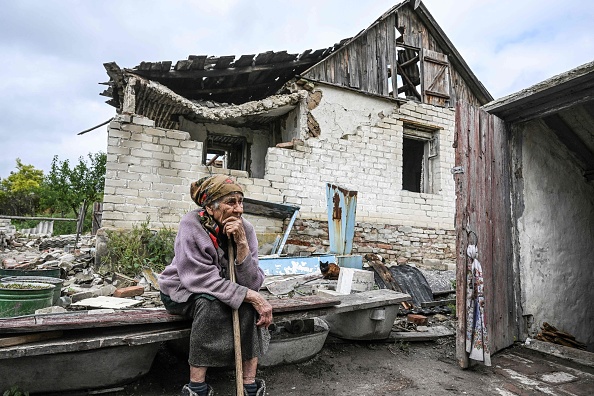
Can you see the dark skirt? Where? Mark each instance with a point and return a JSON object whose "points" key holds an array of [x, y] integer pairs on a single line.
{"points": [[211, 337]]}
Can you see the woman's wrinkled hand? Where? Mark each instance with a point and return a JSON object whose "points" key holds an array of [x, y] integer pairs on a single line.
{"points": [[233, 227], [262, 306]]}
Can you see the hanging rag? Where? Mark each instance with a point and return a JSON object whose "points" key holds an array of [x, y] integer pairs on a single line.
{"points": [[477, 344]]}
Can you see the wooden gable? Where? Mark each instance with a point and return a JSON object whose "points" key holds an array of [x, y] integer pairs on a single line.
{"points": [[404, 54]]}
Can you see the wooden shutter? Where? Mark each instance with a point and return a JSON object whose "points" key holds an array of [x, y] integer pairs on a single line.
{"points": [[435, 84]]}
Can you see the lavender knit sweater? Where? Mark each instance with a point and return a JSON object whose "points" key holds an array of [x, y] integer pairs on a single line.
{"points": [[197, 264]]}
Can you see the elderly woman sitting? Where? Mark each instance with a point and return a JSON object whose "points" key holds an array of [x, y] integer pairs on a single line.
{"points": [[196, 284]]}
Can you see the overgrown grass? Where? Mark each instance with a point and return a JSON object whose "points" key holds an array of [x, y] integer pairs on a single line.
{"points": [[129, 251]]}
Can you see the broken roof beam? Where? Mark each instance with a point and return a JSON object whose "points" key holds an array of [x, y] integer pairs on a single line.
{"points": [[195, 74]]}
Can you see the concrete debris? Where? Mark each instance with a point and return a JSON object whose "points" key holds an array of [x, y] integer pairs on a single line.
{"points": [[59, 256]]}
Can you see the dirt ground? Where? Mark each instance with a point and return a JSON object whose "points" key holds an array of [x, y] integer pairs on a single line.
{"points": [[384, 368], [353, 368]]}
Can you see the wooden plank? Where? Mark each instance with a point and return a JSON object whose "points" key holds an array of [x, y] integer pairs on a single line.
{"points": [[28, 338], [264, 58], [280, 305], [103, 338], [463, 115], [382, 59], [432, 334], [504, 318], [84, 320], [224, 61], [352, 67], [244, 61], [283, 57], [197, 62], [392, 54]]}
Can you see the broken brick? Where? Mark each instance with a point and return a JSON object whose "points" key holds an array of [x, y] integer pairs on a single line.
{"points": [[129, 291], [419, 320]]}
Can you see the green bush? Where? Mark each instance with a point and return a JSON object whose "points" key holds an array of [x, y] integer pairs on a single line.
{"points": [[129, 251], [15, 391]]}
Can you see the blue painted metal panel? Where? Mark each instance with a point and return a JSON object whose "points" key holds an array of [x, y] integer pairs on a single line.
{"points": [[342, 205], [350, 261], [273, 265]]}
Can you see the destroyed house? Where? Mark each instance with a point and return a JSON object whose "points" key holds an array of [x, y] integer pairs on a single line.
{"points": [[374, 113]]}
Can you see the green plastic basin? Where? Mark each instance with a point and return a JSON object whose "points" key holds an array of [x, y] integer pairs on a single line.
{"points": [[57, 282], [24, 298]]}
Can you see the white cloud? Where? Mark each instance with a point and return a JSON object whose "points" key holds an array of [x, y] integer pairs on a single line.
{"points": [[53, 51]]}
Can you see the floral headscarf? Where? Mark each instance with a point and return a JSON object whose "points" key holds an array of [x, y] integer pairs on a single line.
{"points": [[208, 189]]}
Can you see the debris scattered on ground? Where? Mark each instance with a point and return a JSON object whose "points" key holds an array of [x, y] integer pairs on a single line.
{"points": [[75, 264], [550, 333]]}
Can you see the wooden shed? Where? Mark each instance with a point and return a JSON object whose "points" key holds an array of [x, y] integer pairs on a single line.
{"points": [[525, 196]]}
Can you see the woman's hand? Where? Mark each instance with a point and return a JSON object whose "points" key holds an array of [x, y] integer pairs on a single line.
{"points": [[233, 228], [262, 306]]}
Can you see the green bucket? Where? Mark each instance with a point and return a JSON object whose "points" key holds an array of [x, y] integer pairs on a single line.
{"points": [[57, 282], [24, 298], [50, 272]]}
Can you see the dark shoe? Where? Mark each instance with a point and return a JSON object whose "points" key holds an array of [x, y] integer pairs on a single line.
{"points": [[186, 391], [261, 388]]}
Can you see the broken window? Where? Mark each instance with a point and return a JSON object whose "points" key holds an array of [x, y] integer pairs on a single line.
{"points": [[420, 149], [408, 72], [229, 152]]}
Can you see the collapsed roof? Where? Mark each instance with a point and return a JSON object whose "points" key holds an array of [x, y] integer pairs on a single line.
{"points": [[363, 63]]}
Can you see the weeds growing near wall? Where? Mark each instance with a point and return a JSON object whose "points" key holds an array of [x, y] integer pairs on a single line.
{"points": [[129, 251]]}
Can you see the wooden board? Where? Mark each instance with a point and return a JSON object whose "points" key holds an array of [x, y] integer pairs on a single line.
{"points": [[432, 334], [76, 341], [28, 338], [85, 320], [302, 303]]}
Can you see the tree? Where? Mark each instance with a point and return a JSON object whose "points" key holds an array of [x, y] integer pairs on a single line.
{"points": [[19, 192], [66, 188]]}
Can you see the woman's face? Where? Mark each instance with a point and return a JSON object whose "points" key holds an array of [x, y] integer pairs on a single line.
{"points": [[231, 205]]}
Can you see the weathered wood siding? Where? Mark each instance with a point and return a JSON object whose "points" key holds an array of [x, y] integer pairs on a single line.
{"points": [[363, 63], [483, 207]]}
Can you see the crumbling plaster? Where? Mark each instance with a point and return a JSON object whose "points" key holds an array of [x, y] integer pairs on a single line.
{"points": [[555, 233], [341, 113]]}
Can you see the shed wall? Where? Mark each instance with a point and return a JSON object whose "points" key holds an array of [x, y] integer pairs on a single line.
{"points": [[556, 230]]}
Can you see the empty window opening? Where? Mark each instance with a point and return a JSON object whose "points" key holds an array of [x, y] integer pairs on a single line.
{"points": [[420, 167], [229, 152], [412, 164]]}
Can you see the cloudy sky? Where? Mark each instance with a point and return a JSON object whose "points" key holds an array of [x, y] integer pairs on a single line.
{"points": [[53, 51]]}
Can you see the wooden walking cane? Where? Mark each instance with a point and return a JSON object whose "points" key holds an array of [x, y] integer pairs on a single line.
{"points": [[236, 330]]}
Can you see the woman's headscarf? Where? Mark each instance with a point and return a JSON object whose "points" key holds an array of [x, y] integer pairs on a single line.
{"points": [[210, 188]]}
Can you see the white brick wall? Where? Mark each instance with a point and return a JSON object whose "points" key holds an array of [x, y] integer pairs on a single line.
{"points": [[149, 170]]}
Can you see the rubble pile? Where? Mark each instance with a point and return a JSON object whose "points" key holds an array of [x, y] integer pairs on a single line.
{"points": [[75, 265]]}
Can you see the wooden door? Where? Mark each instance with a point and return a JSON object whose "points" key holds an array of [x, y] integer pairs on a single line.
{"points": [[483, 217], [435, 86]]}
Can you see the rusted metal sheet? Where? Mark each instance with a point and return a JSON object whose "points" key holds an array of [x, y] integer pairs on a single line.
{"points": [[342, 204], [483, 217]]}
